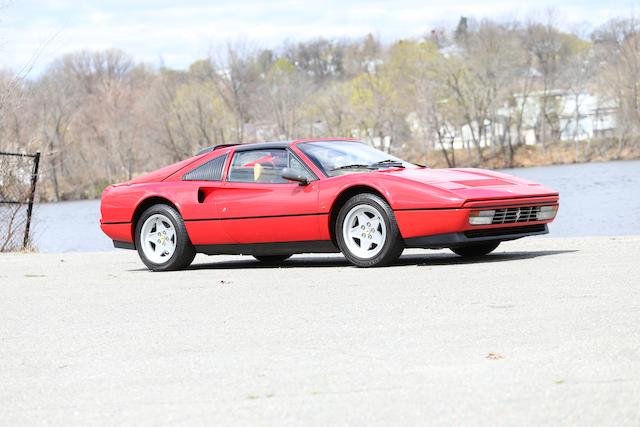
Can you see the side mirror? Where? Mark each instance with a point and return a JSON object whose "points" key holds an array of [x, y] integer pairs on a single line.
{"points": [[292, 175]]}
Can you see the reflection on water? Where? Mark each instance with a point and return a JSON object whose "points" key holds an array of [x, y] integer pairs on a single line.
{"points": [[595, 199], [69, 227]]}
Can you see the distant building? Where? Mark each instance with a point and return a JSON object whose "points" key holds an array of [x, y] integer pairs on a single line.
{"points": [[573, 116], [570, 117]]}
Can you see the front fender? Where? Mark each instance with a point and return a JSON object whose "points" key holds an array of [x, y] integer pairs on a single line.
{"points": [[401, 194]]}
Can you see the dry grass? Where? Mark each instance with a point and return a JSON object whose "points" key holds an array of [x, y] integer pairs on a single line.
{"points": [[494, 356], [535, 155]]}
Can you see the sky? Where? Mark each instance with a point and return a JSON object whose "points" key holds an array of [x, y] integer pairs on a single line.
{"points": [[176, 33]]}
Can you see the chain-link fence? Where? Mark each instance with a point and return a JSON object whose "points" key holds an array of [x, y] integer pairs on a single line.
{"points": [[18, 179]]}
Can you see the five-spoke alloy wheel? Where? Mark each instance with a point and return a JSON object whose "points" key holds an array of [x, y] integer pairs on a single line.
{"points": [[158, 238], [367, 232], [364, 231], [162, 240]]}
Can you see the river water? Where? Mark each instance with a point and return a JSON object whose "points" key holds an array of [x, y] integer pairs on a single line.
{"points": [[595, 199]]}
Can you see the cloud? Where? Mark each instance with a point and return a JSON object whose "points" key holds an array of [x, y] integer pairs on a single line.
{"points": [[183, 33]]}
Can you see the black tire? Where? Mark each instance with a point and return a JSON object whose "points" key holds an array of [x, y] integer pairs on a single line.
{"points": [[184, 252], [272, 259], [393, 245], [476, 249]]}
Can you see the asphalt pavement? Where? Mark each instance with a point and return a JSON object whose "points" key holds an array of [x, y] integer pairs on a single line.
{"points": [[543, 331]]}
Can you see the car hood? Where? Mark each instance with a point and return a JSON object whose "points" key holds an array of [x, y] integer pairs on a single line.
{"points": [[475, 184]]}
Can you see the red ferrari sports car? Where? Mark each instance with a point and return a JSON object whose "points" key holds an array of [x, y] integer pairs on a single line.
{"points": [[275, 199]]}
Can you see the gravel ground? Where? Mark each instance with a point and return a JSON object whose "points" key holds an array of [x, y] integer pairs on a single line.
{"points": [[544, 331]]}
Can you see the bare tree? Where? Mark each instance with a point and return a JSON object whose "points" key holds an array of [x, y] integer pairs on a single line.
{"points": [[283, 91], [470, 95], [618, 44], [551, 50], [234, 76]]}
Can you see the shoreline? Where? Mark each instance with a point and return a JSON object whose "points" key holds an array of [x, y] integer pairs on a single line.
{"points": [[439, 166], [555, 154]]}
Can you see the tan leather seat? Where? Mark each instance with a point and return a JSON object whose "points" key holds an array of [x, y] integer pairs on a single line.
{"points": [[257, 172]]}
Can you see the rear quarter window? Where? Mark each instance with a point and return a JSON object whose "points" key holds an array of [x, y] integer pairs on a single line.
{"points": [[209, 171]]}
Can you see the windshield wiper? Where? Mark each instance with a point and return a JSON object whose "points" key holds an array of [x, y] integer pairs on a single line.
{"points": [[388, 162], [354, 166]]}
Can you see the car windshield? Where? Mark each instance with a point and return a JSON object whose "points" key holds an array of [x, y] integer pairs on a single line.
{"points": [[340, 157]]}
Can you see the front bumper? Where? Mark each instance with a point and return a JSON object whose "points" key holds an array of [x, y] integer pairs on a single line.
{"points": [[424, 223], [451, 240]]}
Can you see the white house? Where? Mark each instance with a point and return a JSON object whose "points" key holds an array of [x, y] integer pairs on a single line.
{"points": [[576, 117]]}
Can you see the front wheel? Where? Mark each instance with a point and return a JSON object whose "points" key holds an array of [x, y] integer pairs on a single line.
{"points": [[367, 232], [475, 249], [162, 240]]}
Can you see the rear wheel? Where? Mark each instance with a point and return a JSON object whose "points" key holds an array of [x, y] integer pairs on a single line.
{"points": [[271, 259], [367, 232], [475, 249], [162, 240]]}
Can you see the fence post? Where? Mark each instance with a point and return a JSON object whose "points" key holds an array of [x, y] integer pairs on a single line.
{"points": [[34, 181]]}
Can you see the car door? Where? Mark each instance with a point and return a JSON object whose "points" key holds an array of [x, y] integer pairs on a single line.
{"points": [[198, 191], [257, 205]]}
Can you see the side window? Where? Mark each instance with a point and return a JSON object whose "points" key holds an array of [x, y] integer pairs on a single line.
{"points": [[297, 166], [209, 171], [263, 166]]}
